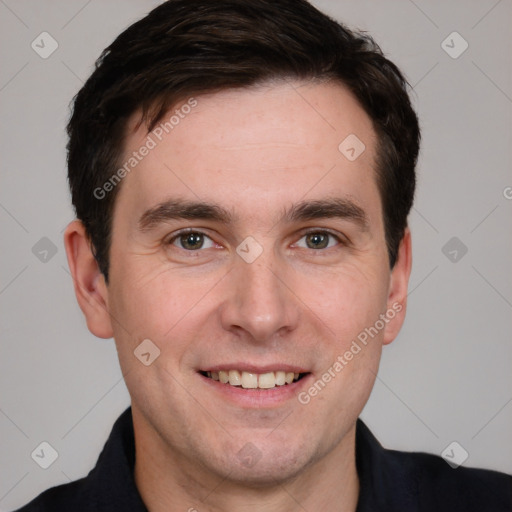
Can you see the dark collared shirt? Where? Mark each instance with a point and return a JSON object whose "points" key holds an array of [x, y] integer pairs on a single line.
{"points": [[389, 481]]}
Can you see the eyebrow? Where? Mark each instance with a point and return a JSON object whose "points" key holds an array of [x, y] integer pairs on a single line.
{"points": [[182, 209], [170, 209], [337, 207]]}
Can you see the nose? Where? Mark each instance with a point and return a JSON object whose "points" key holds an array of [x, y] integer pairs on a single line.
{"points": [[260, 303]]}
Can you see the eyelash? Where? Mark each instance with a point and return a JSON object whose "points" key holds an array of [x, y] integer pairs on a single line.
{"points": [[340, 241]]}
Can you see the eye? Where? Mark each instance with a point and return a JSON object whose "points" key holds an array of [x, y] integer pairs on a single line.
{"points": [[192, 241], [318, 240]]}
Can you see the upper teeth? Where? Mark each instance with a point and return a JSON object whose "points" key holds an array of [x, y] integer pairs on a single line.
{"points": [[254, 380]]}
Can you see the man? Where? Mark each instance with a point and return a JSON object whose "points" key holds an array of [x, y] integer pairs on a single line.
{"points": [[242, 172]]}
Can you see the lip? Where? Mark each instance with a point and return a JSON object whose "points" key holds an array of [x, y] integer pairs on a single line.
{"points": [[251, 368], [257, 398]]}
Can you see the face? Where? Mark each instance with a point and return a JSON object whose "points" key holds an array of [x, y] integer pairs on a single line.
{"points": [[248, 247]]}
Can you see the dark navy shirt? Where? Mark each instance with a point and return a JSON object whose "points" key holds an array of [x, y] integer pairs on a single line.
{"points": [[389, 481]]}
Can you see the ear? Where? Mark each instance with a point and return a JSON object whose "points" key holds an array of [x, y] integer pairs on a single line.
{"points": [[397, 296], [90, 287]]}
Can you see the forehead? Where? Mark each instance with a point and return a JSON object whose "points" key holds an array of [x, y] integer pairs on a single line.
{"points": [[254, 148]]}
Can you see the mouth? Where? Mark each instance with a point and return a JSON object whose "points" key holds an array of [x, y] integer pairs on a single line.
{"points": [[253, 380]]}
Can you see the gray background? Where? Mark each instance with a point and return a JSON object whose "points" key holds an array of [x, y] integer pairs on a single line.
{"points": [[446, 378]]}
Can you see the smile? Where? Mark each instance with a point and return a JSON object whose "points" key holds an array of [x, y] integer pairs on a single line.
{"points": [[250, 380]]}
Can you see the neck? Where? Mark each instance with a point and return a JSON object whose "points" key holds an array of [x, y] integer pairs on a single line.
{"points": [[167, 480]]}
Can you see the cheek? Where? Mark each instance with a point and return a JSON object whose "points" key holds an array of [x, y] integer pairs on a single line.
{"points": [[348, 300], [142, 300], [157, 303]]}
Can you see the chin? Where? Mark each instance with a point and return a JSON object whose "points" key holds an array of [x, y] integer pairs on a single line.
{"points": [[268, 473], [267, 467]]}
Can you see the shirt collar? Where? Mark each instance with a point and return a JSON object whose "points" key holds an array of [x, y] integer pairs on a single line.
{"points": [[112, 481], [386, 481]]}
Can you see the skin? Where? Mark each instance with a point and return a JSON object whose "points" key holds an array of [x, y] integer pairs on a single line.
{"points": [[254, 152]]}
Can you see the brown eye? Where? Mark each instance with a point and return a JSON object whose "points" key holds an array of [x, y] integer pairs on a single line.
{"points": [[192, 241], [318, 240]]}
